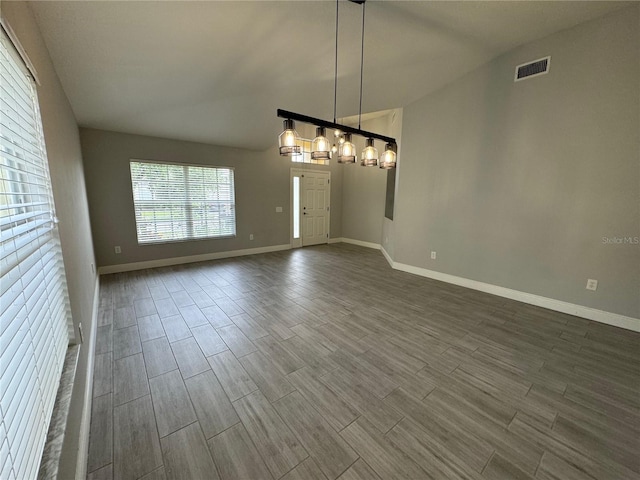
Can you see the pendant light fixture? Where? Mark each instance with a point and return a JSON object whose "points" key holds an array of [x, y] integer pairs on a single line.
{"points": [[388, 158], [347, 150], [369, 155], [321, 149], [289, 140]]}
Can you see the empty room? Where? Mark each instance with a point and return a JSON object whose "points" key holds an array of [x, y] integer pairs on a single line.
{"points": [[320, 240]]}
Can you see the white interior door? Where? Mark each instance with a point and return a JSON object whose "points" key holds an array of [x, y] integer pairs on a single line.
{"points": [[310, 207], [315, 202]]}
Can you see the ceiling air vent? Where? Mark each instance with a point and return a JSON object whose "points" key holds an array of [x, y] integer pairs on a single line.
{"points": [[532, 69]]}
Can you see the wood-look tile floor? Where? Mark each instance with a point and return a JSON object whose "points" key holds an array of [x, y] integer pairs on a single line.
{"points": [[324, 363]]}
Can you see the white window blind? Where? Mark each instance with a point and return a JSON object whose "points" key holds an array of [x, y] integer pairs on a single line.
{"points": [[182, 202], [35, 315]]}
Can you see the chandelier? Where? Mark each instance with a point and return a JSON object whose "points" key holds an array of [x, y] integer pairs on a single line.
{"points": [[290, 142]]}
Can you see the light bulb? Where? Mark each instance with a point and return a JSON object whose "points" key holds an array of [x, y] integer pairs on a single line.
{"points": [[320, 146], [388, 159], [289, 140], [347, 151], [369, 155]]}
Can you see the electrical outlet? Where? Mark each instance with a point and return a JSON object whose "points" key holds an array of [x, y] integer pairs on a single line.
{"points": [[278, 209], [93, 268], [117, 249], [433, 255], [251, 236], [592, 284]]}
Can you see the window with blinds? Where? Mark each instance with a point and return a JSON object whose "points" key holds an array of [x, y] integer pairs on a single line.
{"points": [[182, 202], [35, 315]]}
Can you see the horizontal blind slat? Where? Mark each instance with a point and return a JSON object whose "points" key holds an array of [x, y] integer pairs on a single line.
{"points": [[21, 373], [20, 269], [25, 244], [24, 442]]}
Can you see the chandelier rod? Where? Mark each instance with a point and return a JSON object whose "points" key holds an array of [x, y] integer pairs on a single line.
{"points": [[318, 122], [335, 77], [364, 6]]}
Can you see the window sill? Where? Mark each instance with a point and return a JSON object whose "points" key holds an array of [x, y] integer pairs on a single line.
{"points": [[57, 427]]}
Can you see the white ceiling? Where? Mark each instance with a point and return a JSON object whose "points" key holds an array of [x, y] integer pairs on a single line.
{"points": [[216, 72]]}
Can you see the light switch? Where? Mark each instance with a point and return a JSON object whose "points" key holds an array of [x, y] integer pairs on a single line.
{"points": [[278, 209]]}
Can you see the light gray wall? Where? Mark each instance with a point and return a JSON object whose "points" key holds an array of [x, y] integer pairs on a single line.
{"points": [[67, 177], [516, 184], [364, 189], [389, 226], [261, 182]]}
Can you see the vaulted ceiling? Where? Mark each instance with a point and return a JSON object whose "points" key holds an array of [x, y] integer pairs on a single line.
{"points": [[216, 71]]}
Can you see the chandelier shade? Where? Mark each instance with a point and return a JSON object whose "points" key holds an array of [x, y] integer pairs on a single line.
{"points": [[347, 150], [389, 157], [320, 147], [369, 156], [289, 140]]}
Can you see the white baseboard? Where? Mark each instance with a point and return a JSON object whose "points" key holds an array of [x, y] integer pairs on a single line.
{"points": [[165, 262], [589, 313], [361, 243], [387, 256], [85, 423], [335, 240]]}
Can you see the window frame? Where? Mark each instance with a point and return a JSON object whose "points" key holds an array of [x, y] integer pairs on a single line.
{"points": [[304, 157], [185, 205]]}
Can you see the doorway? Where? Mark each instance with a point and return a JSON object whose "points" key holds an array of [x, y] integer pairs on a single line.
{"points": [[310, 207]]}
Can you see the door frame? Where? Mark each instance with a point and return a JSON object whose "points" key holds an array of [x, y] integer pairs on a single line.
{"points": [[299, 172]]}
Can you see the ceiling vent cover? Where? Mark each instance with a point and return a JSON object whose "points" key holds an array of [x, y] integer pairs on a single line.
{"points": [[532, 69]]}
